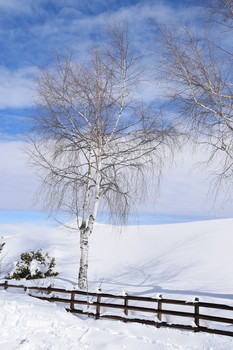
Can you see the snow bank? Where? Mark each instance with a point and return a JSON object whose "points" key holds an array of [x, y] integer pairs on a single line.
{"points": [[31, 324]]}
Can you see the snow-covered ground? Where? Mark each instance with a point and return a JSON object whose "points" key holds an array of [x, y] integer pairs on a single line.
{"points": [[181, 261], [31, 324]]}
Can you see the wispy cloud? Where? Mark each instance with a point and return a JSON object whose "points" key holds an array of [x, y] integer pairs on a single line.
{"points": [[16, 88], [18, 183], [186, 189], [23, 6]]}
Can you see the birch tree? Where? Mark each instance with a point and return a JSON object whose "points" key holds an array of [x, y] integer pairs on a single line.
{"points": [[197, 71], [92, 141]]}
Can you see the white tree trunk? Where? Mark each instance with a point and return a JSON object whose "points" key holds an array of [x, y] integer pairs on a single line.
{"points": [[85, 231], [84, 247]]}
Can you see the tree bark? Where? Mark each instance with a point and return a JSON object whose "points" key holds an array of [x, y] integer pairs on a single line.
{"points": [[85, 231], [84, 248]]}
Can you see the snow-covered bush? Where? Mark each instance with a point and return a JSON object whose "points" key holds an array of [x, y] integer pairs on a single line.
{"points": [[34, 265]]}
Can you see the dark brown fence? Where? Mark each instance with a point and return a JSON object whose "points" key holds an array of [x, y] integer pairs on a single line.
{"points": [[159, 312]]}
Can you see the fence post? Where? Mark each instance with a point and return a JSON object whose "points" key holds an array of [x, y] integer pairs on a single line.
{"points": [[196, 312], [126, 304], [97, 316], [72, 298], [5, 285], [159, 313], [49, 289]]}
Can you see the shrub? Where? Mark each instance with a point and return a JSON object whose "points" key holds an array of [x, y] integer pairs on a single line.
{"points": [[34, 265]]}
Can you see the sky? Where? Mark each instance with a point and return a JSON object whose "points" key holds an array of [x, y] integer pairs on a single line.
{"points": [[31, 32]]}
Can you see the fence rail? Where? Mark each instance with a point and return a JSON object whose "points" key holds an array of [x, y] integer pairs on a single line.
{"points": [[129, 305]]}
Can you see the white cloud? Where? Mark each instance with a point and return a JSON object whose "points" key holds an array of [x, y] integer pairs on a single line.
{"points": [[184, 189], [22, 6], [73, 30], [16, 88], [18, 183]]}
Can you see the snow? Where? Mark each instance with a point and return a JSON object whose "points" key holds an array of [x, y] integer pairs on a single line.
{"points": [[32, 324], [36, 266], [181, 261]]}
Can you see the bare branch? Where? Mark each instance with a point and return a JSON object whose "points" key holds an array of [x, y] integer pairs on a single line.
{"points": [[199, 77]]}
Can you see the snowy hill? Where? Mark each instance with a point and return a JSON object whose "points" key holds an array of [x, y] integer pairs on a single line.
{"points": [[195, 258], [184, 260]]}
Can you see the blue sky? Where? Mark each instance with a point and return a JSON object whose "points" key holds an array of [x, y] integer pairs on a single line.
{"points": [[30, 33]]}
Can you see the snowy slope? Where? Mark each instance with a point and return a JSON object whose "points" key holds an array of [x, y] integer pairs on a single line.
{"points": [[195, 258], [180, 260]]}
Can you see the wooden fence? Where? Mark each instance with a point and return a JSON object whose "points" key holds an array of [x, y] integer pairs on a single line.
{"points": [[135, 309]]}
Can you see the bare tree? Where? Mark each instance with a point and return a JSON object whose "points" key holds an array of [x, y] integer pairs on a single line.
{"points": [[92, 141], [197, 71]]}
